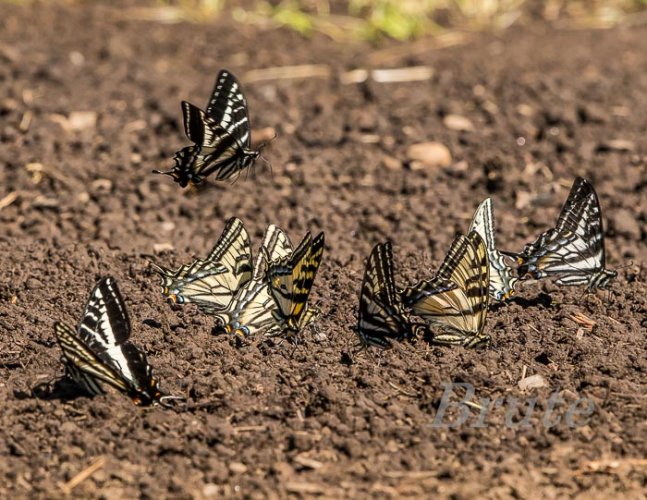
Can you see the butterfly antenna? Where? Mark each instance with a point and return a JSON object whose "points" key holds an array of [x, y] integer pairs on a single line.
{"points": [[260, 148]]}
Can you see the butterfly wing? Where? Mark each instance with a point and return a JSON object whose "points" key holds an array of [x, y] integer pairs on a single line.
{"points": [[456, 300], [291, 279], [200, 128], [380, 315], [228, 108], [502, 282], [573, 251], [276, 246], [253, 310], [82, 365], [211, 283]]}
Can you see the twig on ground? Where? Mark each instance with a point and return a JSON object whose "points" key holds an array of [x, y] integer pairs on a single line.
{"points": [[288, 72], [83, 475]]}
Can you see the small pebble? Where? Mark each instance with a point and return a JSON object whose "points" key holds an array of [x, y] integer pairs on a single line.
{"points": [[533, 382], [34, 284], [458, 122], [431, 154], [619, 145], [237, 468]]}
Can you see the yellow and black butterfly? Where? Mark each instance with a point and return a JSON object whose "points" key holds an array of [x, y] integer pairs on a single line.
{"points": [[502, 282], [221, 136], [253, 309], [100, 350], [381, 316], [573, 251], [211, 283], [456, 300], [290, 280]]}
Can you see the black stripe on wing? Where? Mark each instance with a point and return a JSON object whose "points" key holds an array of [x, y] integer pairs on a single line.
{"points": [[200, 128]]}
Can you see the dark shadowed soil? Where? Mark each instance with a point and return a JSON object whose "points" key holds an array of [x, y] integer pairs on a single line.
{"points": [[79, 202]]}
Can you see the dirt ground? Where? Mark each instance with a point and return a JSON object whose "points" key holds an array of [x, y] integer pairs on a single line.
{"points": [[79, 202]]}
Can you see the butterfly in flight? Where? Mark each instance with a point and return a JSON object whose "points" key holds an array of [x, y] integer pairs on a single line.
{"points": [[381, 316], [221, 136], [211, 283], [290, 280], [100, 349], [456, 300], [572, 251], [253, 309], [502, 282]]}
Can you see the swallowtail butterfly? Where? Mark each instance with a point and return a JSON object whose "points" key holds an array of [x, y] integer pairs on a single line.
{"points": [[456, 300], [221, 136], [381, 316], [290, 280], [502, 282], [211, 283], [100, 349], [573, 251]]}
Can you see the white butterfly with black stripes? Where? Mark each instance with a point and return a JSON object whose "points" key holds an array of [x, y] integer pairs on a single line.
{"points": [[221, 136], [502, 282], [573, 251], [256, 308], [100, 349], [211, 283]]}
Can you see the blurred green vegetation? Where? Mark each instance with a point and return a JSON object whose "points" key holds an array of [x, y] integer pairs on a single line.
{"points": [[396, 19], [407, 19]]}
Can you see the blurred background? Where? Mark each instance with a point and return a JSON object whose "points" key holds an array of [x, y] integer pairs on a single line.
{"points": [[376, 20]]}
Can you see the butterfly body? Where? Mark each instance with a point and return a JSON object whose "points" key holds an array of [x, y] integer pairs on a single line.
{"points": [[573, 251], [221, 136], [100, 350]]}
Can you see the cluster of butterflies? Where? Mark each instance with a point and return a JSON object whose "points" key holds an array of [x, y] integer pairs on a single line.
{"points": [[269, 298], [453, 305]]}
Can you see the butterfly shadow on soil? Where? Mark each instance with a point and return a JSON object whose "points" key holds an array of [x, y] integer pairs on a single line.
{"points": [[60, 388], [541, 300]]}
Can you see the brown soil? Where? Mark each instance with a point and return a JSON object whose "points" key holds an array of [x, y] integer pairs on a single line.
{"points": [[318, 418]]}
